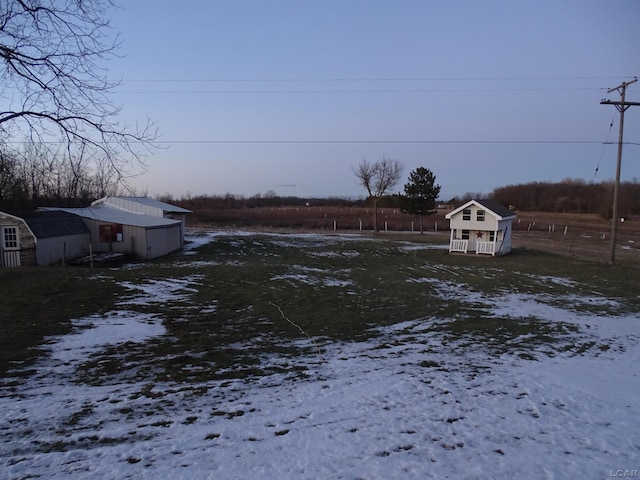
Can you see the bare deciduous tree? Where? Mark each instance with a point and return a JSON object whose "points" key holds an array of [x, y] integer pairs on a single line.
{"points": [[54, 87], [44, 174], [8, 175], [378, 179]]}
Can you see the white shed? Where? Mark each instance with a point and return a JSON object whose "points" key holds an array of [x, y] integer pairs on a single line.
{"points": [[146, 206], [481, 226], [115, 230]]}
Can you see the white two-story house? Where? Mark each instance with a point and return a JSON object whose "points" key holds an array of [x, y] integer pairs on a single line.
{"points": [[481, 226]]}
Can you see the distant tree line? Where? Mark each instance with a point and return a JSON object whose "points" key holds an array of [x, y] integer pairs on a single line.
{"points": [[570, 196], [268, 199], [567, 196]]}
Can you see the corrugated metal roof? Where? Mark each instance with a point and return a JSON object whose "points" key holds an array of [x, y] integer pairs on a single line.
{"points": [[114, 215], [49, 224], [167, 207]]}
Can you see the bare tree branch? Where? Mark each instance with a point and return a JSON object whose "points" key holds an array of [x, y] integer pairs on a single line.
{"points": [[54, 85]]}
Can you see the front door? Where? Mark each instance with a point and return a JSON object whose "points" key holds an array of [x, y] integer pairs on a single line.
{"points": [[10, 246]]}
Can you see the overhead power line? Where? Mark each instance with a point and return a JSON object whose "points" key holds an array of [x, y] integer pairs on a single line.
{"points": [[362, 79], [359, 141], [604, 144], [291, 85], [362, 90], [490, 142], [365, 141]]}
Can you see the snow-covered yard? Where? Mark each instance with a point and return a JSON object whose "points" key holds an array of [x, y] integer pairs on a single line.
{"points": [[414, 402]]}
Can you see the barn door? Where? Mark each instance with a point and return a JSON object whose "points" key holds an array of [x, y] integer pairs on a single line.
{"points": [[10, 247]]}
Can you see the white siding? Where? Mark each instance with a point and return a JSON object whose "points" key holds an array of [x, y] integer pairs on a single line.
{"points": [[134, 207], [161, 241], [490, 220], [51, 250]]}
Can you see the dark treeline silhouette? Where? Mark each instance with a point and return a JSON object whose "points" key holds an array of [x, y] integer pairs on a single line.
{"points": [[231, 201], [570, 196]]}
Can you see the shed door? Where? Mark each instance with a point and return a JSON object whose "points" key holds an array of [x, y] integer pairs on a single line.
{"points": [[10, 247]]}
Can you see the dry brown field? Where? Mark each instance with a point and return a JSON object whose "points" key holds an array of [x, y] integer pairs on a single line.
{"points": [[585, 236], [588, 236]]}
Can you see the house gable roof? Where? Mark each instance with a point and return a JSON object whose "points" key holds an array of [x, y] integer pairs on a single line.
{"points": [[50, 224], [496, 208]]}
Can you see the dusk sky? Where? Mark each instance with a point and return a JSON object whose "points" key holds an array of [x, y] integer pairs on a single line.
{"points": [[289, 95]]}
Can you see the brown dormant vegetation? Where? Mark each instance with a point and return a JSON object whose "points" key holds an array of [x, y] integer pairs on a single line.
{"points": [[570, 196]]}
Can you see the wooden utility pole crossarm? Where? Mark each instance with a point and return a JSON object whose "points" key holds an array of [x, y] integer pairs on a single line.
{"points": [[622, 105]]}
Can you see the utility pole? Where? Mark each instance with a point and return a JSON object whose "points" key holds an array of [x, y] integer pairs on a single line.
{"points": [[621, 106]]}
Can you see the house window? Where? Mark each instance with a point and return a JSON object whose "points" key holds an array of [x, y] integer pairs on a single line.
{"points": [[480, 216], [466, 214], [111, 233], [492, 236], [10, 237], [465, 234]]}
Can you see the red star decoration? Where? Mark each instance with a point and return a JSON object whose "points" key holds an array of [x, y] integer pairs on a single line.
{"points": [[478, 234]]}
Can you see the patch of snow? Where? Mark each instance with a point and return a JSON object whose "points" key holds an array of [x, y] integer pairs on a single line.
{"points": [[546, 279], [333, 254], [160, 291], [193, 242], [401, 406], [314, 276], [411, 247], [93, 333]]}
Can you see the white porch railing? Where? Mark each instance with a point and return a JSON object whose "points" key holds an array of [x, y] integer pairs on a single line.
{"points": [[459, 246], [486, 248], [10, 258]]}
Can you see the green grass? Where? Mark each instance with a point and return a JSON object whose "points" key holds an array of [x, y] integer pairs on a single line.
{"points": [[340, 290]]}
